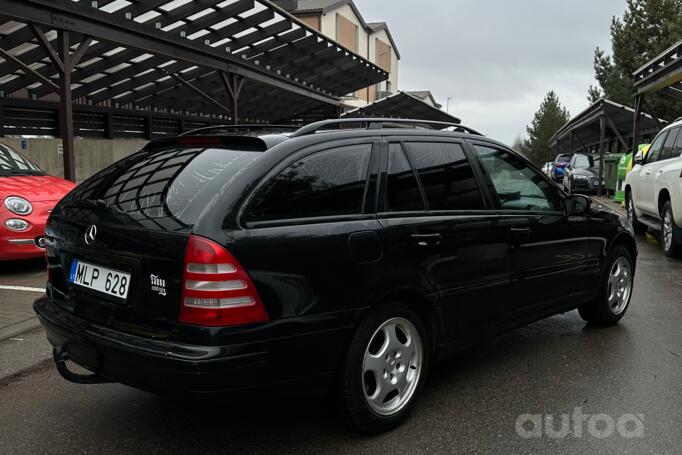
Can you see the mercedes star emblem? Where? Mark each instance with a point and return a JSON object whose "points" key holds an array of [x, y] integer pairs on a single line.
{"points": [[90, 234]]}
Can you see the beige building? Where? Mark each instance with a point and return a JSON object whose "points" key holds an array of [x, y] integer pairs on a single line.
{"points": [[341, 20]]}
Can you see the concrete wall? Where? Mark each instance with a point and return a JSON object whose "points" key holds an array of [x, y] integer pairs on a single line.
{"points": [[92, 155]]}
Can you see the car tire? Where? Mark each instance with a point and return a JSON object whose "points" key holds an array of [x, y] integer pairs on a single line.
{"points": [[640, 229], [615, 290], [389, 352], [670, 232]]}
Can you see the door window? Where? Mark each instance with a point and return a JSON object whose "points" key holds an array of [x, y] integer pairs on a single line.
{"points": [[329, 183], [656, 148], [669, 144], [402, 189], [446, 176], [518, 187]]}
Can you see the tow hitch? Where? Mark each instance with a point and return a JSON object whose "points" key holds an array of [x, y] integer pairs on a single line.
{"points": [[61, 355]]}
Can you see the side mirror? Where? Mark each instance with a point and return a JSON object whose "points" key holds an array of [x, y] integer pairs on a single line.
{"points": [[639, 158], [578, 204]]}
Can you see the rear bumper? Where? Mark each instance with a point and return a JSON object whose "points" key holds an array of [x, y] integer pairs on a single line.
{"points": [[299, 363]]}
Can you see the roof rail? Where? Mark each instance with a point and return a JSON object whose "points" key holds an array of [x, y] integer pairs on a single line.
{"points": [[383, 123], [237, 128]]}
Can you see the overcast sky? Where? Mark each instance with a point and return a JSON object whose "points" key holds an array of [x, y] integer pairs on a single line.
{"points": [[497, 58]]}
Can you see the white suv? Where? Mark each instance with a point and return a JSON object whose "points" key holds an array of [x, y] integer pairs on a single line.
{"points": [[653, 190]]}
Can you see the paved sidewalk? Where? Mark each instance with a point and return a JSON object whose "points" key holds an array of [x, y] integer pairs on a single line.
{"points": [[20, 284]]}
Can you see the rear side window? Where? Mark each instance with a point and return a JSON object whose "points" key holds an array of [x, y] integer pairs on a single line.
{"points": [[402, 189], [669, 144], [446, 176], [329, 183], [677, 151], [164, 189]]}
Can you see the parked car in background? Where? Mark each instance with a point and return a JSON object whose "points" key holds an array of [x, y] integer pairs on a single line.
{"points": [[547, 168], [581, 174], [346, 257], [559, 165], [653, 189], [27, 195]]}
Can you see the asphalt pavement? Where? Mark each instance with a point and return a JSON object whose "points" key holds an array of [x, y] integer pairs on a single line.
{"points": [[487, 400]]}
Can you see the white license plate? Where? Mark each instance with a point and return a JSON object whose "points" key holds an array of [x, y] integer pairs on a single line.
{"points": [[98, 278]]}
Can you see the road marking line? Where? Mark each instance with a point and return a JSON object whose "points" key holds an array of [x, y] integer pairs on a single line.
{"points": [[22, 288]]}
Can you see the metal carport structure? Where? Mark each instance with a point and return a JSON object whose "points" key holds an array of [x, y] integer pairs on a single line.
{"points": [[402, 105], [604, 126], [662, 74], [194, 62]]}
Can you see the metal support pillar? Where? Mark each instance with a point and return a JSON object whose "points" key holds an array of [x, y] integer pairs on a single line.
{"points": [[651, 112], [602, 137], [66, 106], [636, 126], [585, 149], [618, 135], [570, 142], [199, 92], [233, 86], [109, 125], [64, 62]]}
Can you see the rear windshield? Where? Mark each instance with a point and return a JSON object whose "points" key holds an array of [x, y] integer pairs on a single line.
{"points": [[12, 163], [563, 158], [165, 189]]}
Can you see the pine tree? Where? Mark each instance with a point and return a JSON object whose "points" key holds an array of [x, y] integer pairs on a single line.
{"points": [[648, 27], [547, 120]]}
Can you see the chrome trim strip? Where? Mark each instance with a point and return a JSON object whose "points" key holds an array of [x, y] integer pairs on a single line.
{"points": [[22, 241]]}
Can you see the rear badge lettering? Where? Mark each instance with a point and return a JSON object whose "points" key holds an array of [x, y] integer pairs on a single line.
{"points": [[158, 285]]}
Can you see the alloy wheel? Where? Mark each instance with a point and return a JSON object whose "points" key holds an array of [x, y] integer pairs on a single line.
{"points": [[392, 366], [667, 230], [619, 285]]}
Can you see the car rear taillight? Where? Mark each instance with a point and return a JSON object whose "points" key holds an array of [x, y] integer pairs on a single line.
{"points": [[216, 290]]}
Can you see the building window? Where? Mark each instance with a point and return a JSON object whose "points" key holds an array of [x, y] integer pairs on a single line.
{"points": [[383, 55], [347, 33]]}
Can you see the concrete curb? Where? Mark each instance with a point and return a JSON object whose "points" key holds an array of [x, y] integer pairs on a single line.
{"points": [[19, 328]]}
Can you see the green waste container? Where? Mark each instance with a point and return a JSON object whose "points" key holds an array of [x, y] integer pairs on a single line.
{"points": [[611, 164], [623, 166]]}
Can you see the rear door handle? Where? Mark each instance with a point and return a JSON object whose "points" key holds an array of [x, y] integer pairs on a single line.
{"points": [[427, 239]]}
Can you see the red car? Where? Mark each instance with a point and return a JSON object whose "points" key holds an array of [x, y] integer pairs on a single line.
{"points": [[27, 195]]}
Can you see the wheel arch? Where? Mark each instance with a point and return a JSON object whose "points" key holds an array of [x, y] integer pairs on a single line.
{"points": [[625, 239], [424, 305], [663, 197]]}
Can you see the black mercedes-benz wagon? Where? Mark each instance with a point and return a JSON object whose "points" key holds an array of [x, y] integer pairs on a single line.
{"points": [[349, 254]]}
